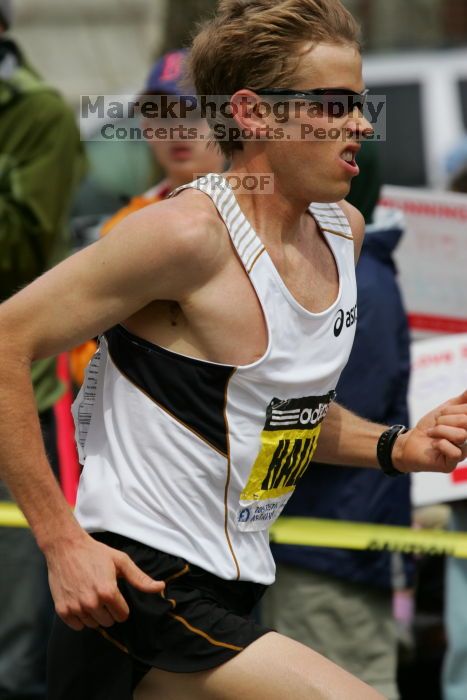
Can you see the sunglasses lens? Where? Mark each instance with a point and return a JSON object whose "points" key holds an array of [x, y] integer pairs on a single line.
{"points": [[332, 103]]}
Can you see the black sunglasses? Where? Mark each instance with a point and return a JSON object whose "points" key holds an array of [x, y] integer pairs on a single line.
{"points": [[334, 101]]}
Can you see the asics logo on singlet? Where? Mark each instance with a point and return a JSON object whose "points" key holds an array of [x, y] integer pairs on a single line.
{"points": [[346, 319]]}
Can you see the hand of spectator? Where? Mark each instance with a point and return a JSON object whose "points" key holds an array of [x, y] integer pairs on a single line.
{"points": [[438, 442]]}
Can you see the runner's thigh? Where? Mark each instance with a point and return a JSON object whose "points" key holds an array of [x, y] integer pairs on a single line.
{"points": [[272, 667]]}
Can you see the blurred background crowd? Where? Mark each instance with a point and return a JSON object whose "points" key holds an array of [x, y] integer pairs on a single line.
{"points": [[58, 192]]}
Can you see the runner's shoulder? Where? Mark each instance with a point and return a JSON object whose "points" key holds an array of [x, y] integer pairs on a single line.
{"points": [[187, 228]]}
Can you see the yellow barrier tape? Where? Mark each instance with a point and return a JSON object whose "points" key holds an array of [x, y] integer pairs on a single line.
{"points": [[11, 516], [333, 533], [350, 535]]}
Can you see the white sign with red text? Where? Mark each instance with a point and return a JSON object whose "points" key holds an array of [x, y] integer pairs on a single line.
{"points": [[439, 372], [432, 258]]}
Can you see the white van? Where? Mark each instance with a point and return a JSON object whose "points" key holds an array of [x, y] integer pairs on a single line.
{"points": [[426, 112]]}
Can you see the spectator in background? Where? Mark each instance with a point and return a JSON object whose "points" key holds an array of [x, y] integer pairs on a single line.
{"points": [[339, 602], [181, 161], [41, 160], [454, 677]]}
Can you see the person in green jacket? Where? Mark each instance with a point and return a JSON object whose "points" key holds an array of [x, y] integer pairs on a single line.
{"points": [[41, 161]]}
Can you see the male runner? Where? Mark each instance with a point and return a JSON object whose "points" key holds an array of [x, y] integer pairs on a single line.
{"points": [[216, 370]]}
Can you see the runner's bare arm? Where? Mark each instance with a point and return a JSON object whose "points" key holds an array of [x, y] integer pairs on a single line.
{"points": [[138, 262], [435, 444], [88, 293]]}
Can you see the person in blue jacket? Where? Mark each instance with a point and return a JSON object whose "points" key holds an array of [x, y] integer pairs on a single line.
{"points": [[339, 601]]}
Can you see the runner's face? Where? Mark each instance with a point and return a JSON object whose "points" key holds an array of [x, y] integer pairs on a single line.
{"points": [[314, 168]]}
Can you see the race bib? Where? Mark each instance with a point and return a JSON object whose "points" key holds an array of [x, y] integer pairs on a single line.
{"points": [[288, 443]]}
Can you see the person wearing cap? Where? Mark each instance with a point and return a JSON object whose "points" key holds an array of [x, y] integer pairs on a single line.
{"points": [[41, 161], [180, 160]]}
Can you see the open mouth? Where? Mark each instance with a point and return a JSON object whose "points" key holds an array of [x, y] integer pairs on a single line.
{"points": [[348, 160], [349, 157]]}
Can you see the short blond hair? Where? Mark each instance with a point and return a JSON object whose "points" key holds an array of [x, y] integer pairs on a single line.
{"points": [[257, 44]]}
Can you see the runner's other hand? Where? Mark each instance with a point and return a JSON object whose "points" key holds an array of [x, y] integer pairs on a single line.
{"points": [[438, 443]]}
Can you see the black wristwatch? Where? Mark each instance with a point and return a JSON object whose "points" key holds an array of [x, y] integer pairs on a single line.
{"points": [[384, 449]]}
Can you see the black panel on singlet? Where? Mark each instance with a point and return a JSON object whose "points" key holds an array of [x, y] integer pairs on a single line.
{"points": [[193, 391]]}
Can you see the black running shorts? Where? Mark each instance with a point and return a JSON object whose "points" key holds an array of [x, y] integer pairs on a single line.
{"points": [[200, 622]]}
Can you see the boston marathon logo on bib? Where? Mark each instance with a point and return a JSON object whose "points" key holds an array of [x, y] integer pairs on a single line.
{"points": [[288, 443]]}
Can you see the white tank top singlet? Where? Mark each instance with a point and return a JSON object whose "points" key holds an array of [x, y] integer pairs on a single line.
{"points": [[197, 458]]}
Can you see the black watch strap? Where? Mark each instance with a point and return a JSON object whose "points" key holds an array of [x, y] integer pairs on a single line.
{"points": [[384, 449]]}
